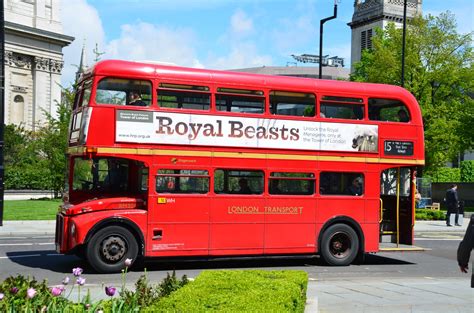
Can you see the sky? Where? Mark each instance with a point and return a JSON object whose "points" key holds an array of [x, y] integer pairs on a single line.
{"points": [[217, 34]]}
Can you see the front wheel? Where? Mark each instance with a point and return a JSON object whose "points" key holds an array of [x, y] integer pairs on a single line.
{"points": [[110, 247], [339, 245]]}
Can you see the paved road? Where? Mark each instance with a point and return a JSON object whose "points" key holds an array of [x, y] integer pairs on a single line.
{"points": [[398, 278]]}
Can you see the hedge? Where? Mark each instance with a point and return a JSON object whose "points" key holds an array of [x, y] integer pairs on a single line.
{"points": [[429, 215], [467, 171], [239, 291]]}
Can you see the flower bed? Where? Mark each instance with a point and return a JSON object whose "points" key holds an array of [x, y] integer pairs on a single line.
{"points": [[228, 291]]}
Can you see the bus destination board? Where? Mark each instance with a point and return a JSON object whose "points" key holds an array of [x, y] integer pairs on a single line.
{"points": [[394, 147]]}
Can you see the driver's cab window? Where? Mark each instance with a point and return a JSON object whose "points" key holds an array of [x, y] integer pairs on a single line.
{"points": [[388, 110], [120, 91]]}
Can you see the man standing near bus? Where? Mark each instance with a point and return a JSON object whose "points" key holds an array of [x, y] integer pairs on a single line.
{"points": [[452, 203]]}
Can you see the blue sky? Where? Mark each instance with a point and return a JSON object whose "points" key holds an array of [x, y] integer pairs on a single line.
{"points": [[217, 34]]}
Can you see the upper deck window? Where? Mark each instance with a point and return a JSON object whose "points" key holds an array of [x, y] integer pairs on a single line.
{"points": [[342, 107], [240, 100], [388, 110], [184, 96], [292, 103], [124, 92]]}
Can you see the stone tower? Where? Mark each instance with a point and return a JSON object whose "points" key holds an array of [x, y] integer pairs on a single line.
{"points": [[370, 14], [33, 60]]}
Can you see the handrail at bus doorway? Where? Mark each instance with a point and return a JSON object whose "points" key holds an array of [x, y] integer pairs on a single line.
{"points": [[398, 207], [381, 210]]}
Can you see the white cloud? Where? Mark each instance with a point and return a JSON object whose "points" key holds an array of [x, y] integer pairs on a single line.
{"points": [[240, 23], [241, 55], [145, 41], [82, 21]]}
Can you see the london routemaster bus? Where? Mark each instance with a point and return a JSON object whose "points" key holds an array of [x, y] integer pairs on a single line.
{"points": [[166, 161]]}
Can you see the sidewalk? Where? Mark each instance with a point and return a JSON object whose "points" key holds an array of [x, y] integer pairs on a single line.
{"points": [[21, 228]]}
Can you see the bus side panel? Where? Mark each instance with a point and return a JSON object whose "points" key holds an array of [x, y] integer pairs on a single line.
{"points": [[290, 224], [371, 236], [178, 225], [237, 224]]}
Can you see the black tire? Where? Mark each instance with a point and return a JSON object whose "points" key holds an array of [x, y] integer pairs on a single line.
{"points": [[109, 247], [339, 245]]}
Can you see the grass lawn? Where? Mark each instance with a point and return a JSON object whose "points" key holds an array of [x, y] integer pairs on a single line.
{"points": [[18, 210]]}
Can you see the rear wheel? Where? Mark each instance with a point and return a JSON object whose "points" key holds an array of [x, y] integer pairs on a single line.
{"points": [[339, 245], [110, 247]]}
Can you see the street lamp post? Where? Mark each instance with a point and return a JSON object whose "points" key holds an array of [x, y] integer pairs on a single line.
{"points": [[321, 25], [402, 81], [2, 104]]}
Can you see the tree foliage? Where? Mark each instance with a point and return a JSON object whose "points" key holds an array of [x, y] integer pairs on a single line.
{"points": [[36, 159], [438, 72]]}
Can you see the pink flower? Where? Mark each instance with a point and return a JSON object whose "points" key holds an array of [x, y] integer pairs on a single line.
{"points": [[1, 296], [66, 280], [81, 281], [57, 290], [30, 293], [110, 291], [77, 271], [128, 262]]}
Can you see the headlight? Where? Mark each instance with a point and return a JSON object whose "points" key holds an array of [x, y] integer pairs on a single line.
{"points": [[72, 230]]}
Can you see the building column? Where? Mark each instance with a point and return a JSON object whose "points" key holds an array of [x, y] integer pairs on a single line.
{"points": [[42, 90]]}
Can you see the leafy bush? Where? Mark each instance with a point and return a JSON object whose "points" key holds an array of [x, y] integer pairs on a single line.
{"points": [[467, 171], [429, 215], [446, 175], [239, 291]]}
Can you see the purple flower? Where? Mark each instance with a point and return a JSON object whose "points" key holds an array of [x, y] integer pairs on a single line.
{"points": [[77, 271], [81, 281], [1, 296], [57, 290], [14, 290], [110, 291], [30, 293], [66, 280], [128, 262]]}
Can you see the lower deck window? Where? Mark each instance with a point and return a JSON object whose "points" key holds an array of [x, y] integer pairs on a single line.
{"points": [[341, 183], [238, 181], [291, 183], [182, 181]]}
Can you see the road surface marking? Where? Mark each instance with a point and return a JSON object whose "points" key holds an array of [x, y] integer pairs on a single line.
{"points": [[27, 244]]}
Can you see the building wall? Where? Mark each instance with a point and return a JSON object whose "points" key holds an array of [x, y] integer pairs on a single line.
{"points": [[33, 60], [372, 14]]}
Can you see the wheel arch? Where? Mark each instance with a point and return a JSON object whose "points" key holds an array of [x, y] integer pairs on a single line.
{"points": [[123, 222], [348, 221]]}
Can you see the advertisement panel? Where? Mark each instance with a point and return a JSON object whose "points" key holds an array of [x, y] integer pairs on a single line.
{"points": [[230, 131]]}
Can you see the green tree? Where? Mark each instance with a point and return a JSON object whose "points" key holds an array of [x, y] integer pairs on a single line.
{"points": [[36, 160], [438, 72], [53, 141]]}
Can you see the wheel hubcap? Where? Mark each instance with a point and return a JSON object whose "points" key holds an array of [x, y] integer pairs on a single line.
{"points": [[340, 245], [113, 248]]}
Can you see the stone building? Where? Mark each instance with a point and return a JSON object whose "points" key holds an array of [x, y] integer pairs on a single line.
{"points": [[370, 14], [33, 60]]}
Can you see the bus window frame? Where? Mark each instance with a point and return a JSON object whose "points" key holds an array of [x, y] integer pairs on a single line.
{"points": [[363, 103], [98, 79], [407, 109], [209, 92]]}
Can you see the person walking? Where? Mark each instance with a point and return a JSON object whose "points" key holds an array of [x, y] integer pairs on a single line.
{"points": [[465, 248], [452, 203]]}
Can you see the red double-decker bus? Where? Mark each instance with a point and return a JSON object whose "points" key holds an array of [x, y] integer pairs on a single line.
{"points": [[167, 161]]}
